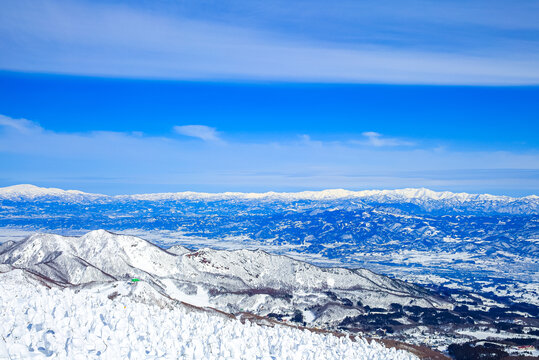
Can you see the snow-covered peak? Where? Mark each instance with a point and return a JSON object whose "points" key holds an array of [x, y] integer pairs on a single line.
{"points": [[96, 256], [27, 191]]}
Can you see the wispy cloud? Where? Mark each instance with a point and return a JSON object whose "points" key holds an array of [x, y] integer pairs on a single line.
{"points": [[378, 140], [202, 132], [31, 154], [20, 125], [93, 38]]}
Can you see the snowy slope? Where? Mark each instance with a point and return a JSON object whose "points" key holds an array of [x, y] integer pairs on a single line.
{"points": [[92, 323], [244, 270]]}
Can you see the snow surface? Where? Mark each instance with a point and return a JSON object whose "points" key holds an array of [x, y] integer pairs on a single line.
{"points": [[85, 323]]}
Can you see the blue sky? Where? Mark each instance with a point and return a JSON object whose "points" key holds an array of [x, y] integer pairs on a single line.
{"points": [[123, 97]]}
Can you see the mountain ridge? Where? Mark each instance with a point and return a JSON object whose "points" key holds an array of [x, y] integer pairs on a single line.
{"points": [[231, 281], [32, 191]]}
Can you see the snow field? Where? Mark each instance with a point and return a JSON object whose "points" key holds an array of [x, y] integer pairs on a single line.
{"points": [[38, 322]]}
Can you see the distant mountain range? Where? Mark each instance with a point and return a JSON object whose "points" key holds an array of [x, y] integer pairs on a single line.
{"points": [[426, 199], [32, 191]]}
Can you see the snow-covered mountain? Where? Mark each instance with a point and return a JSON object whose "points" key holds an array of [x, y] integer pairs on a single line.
{"points": [[232, 281], [242, 282], [119, 320], [27, 191], [332, 194], [248, 284], [32, 192], [416, 200]]}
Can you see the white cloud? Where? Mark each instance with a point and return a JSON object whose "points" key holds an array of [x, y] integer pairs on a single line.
{"points": [[20, 125], [378, 140], [308, 141], [202, 132]]}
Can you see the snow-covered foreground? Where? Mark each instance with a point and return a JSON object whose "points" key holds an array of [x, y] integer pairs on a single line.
{"points": [[70, 324]]}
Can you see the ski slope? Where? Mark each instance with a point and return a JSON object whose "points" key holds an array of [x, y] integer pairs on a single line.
{"points": [[81, 323]]}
